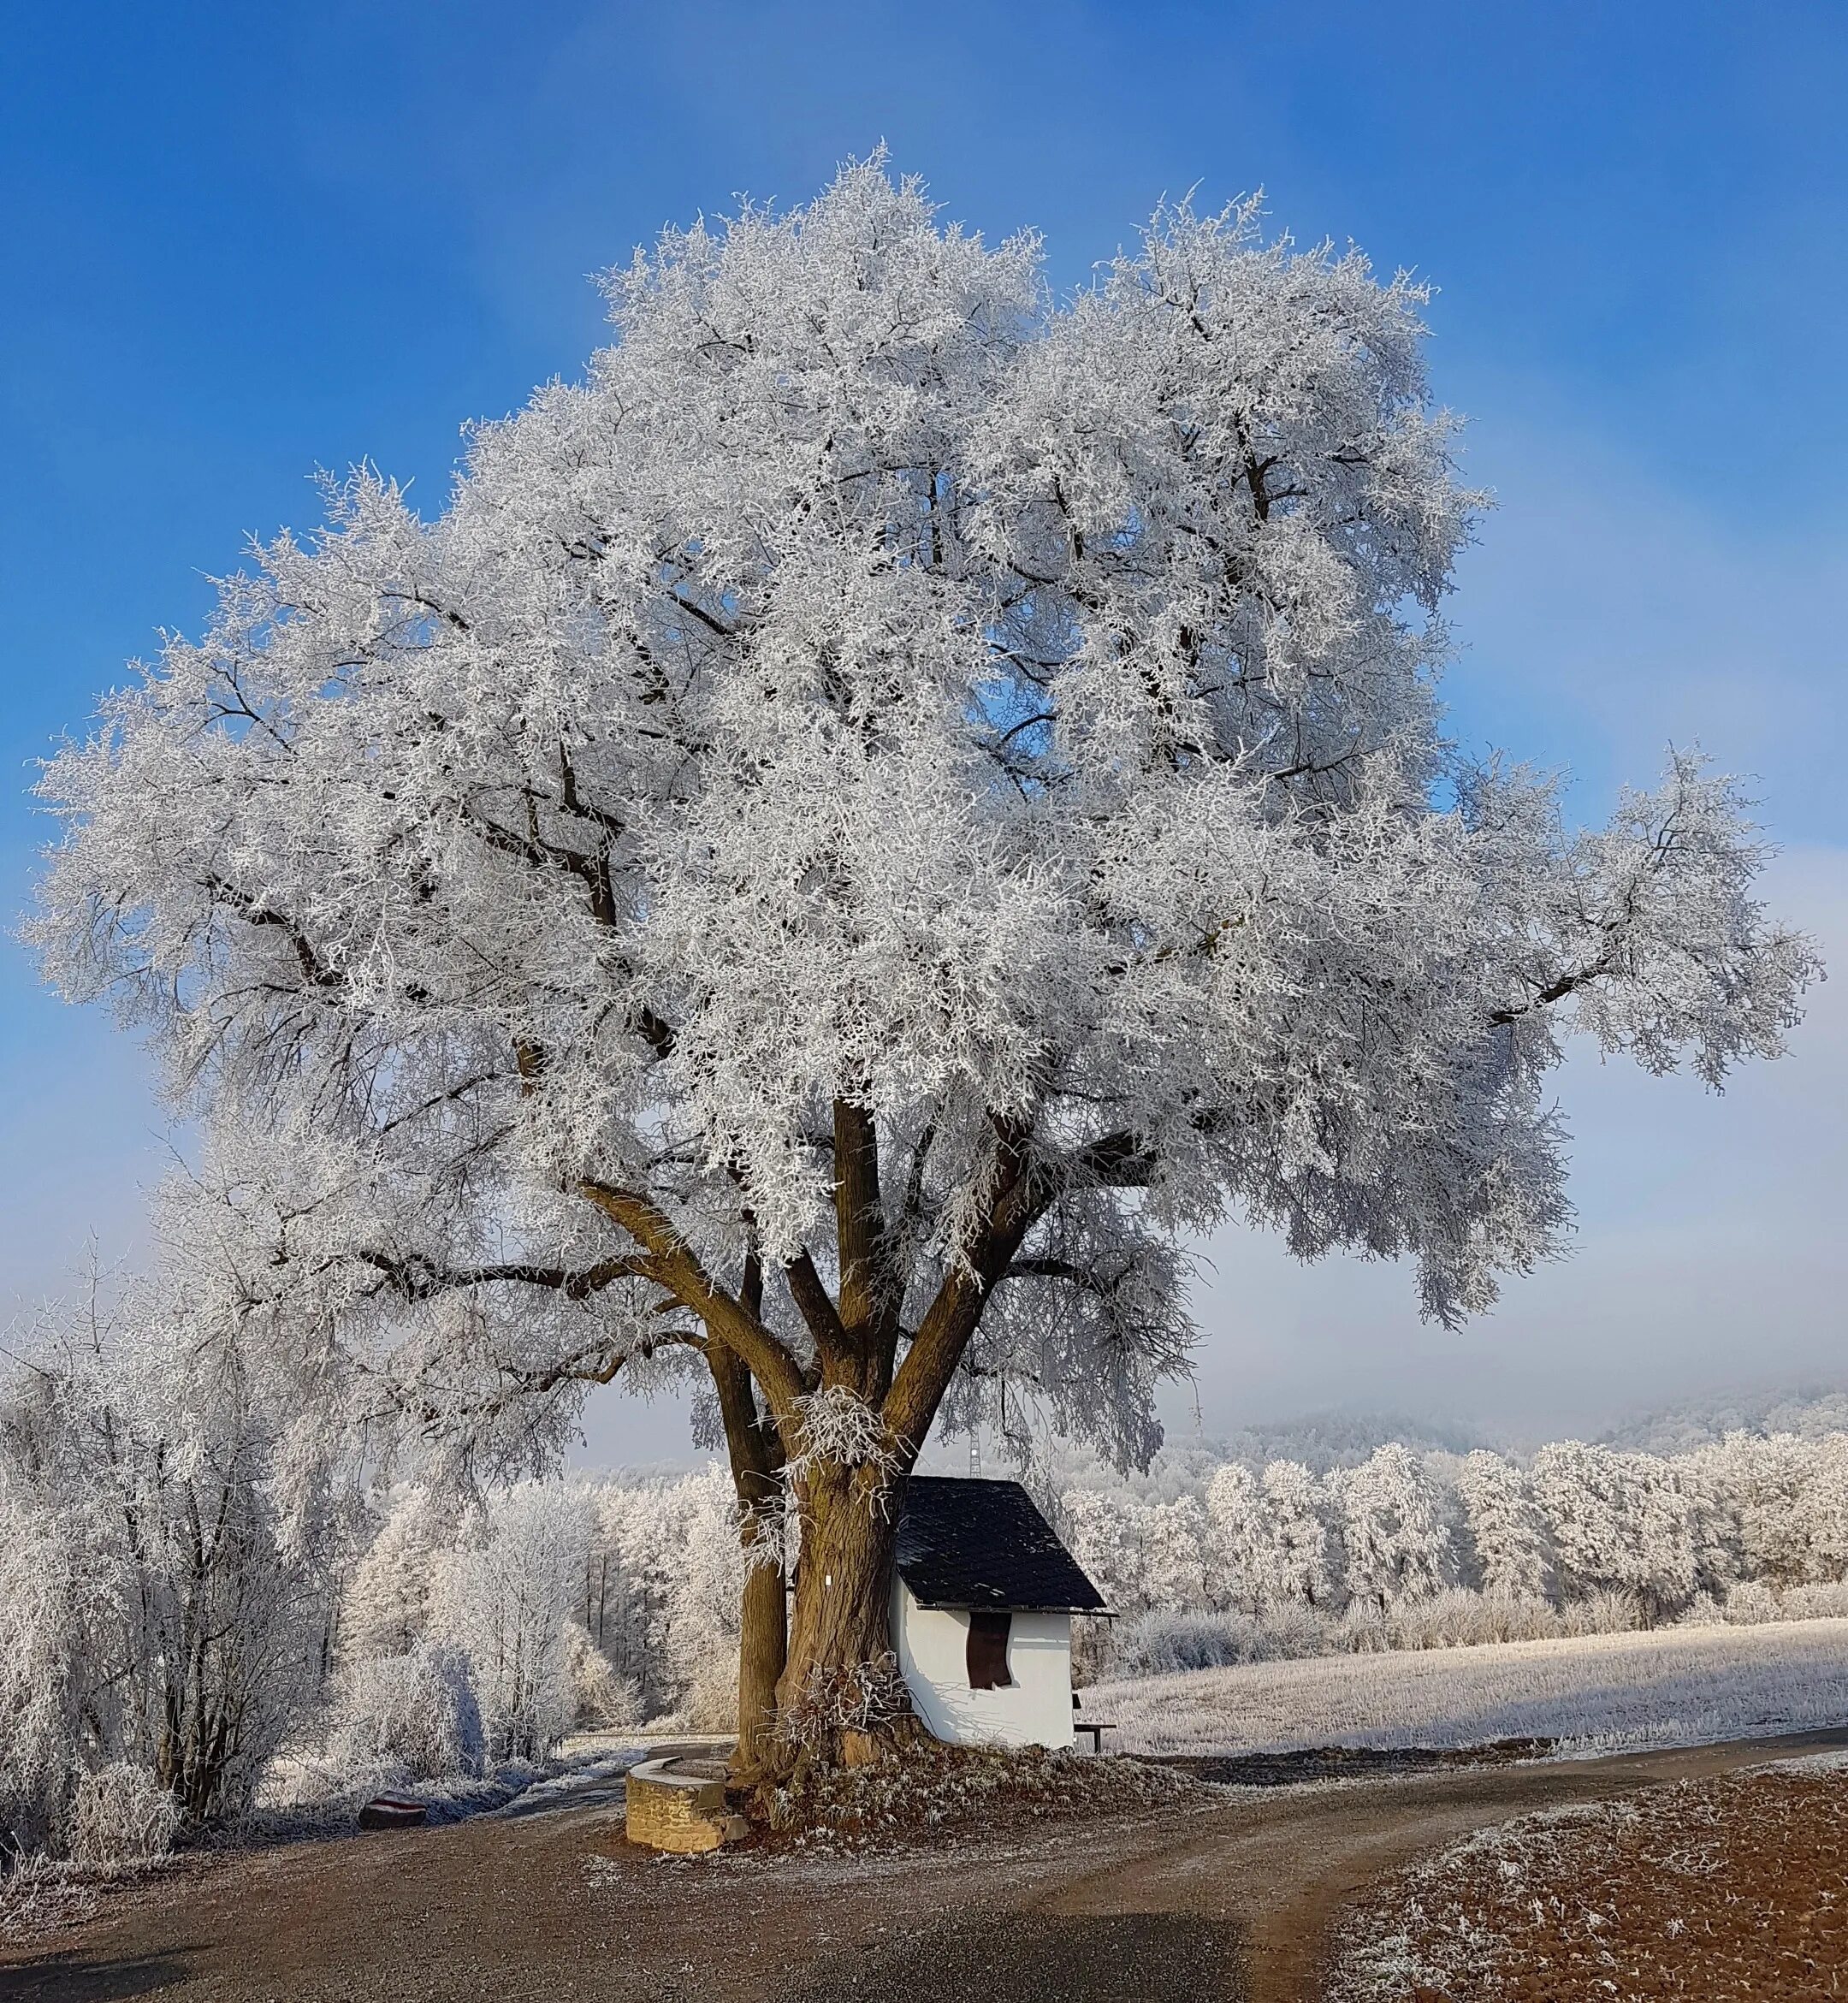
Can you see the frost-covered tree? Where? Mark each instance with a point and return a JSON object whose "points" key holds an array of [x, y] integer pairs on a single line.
{"points": [[1238, 1540], [1619, 1522], [663, 1590], [181, 1531], [1174, 1553], [862, 823], [507, 1600], [1770, 1479], [1395, 1535], [1826, 1508], [385, 1610], [1507, 1530], [1102, 1528], [43, 1587], [1302, 1564]]}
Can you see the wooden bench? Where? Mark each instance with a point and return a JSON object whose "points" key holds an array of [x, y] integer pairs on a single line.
{"points": [[1096, 1728]]}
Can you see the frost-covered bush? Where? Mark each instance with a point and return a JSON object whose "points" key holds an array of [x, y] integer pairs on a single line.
{"points": [[1751, 1604], [1605, 1612], [600, 1696], [1703, 1610], [123, 1814], [1160, 1644], [412, 1717], [1455, 1618], [1825, 1601]]}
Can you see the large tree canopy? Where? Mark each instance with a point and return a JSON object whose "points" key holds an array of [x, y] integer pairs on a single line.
{"points": [[865, 821]]}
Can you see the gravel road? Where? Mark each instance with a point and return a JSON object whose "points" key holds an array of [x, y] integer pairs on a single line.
{"points": [[1229, 1905]]}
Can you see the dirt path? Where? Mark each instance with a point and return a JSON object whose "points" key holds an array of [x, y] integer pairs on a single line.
{"points": [[1231, 1905]]}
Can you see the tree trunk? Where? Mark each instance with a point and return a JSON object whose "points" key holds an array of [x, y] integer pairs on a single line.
{"points": [[763, 1649], [757, 1456], [841, 1686]]}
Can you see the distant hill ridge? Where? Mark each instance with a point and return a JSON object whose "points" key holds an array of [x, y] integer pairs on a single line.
{"points": [[1809, 1413]]}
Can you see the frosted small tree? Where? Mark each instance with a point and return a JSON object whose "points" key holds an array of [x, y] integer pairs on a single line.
{"points": [[1826, 1508], [863, 823], [1395, 1539], [1238, 1540], [1104, 1529], [44, 1586], [385, 1610], [1582, 1492], [1507, 1530], [1301, 1568], [182, 1530], [1175, 1553], [1666, 1522], [705, 1584], [508, 1602]]}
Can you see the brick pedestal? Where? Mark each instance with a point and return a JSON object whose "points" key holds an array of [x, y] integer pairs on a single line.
{"points": [[679, 1804]]}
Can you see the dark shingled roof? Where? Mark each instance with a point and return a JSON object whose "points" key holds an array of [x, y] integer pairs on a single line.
{"points": [[982, 1544]]}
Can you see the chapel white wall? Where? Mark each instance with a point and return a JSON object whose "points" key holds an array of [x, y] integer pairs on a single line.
{"points": [[1034, 1709]]}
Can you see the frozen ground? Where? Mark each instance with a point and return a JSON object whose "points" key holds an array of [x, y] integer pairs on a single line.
{"points": [[1671, 1687], [1723, 1890]]}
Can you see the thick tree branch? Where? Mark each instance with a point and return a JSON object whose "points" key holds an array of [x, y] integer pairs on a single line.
{"points": [[677, 1267], [860, 1224], [1022, 1195]]}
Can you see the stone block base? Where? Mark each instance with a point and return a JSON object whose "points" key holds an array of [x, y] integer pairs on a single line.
{"points": [[679, 1806]]}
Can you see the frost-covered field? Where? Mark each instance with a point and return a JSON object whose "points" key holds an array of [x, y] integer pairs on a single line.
{"points": [[1675, 1685]]}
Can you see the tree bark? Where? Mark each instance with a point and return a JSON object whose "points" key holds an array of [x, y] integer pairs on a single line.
{"points": [[756, 1456], [763, 1650], [842, 1675]]}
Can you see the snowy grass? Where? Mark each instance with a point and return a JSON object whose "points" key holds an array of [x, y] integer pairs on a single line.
{"points": [[1668, 1686]]}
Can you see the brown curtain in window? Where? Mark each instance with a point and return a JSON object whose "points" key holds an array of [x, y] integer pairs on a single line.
{"points": [[987, 1650]]}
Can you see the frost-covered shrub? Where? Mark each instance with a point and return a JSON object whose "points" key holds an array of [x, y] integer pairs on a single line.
{"points": [[1703, 1610], [600, 1697], [123, 1814], [1608, 1612], [1161, 1643], [1826, 1601], [412, 1717], [1750, 1602], [1515, 1616], [1292, 1632], [1458, 1617]]}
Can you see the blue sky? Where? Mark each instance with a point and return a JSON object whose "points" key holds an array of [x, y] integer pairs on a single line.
{"points": [[243, 242]]}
